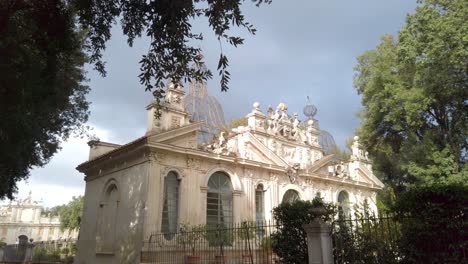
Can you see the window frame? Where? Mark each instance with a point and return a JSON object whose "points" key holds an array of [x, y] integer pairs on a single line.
{"points": [[216, 198], [170, 235]]}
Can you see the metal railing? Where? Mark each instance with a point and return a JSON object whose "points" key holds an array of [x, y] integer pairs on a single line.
{"points": [[247, 242], [383, 239], [366, 239], [60, 251]]}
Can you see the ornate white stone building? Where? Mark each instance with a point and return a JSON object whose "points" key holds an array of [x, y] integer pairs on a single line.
{"points": [[24, 217], [165, 178]]}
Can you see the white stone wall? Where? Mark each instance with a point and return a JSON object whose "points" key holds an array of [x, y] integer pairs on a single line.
{"points": [[193, 188], [132, 187], [23, 217]]}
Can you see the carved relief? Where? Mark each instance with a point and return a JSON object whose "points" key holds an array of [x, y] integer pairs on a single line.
{"points": [[292, 173], [175, 122], [193, 163], [249, 173], [274, 177], [156, 156], [340, 170]]}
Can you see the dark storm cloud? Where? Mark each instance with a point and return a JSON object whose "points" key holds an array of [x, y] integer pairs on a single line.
{"points": [[308, 48], [302, 48]]}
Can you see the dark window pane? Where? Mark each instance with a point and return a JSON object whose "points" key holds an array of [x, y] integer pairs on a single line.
{"points": [[170, 211]]}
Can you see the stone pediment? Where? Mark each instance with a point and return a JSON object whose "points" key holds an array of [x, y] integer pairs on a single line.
{"points": [[353, 170], [264, 151], [185, 136], [365, 174]]}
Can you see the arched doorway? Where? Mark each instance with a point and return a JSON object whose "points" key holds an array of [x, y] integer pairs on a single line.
{"points": [[290, 196], [344, 205]]}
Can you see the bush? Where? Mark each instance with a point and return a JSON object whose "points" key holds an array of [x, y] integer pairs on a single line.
{"points": [[366, 239], [65, 251], [433, 223], [289, 242], [41, 254]]}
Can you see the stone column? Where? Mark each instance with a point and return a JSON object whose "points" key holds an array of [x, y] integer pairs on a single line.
{"points": [[37, 215], [319, 242], [152, 197], [13, 214], [203, 198], [236, 207]]}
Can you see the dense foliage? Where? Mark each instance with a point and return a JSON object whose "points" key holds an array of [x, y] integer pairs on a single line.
{"points": [[366, 238], [289, 242], [234, 123], [70, 214], [168, 23], [42, 96], [415, 92], [434, 225]]}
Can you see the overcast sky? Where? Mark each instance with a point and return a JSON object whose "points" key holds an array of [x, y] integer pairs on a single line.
{"points": [[302, 48]]}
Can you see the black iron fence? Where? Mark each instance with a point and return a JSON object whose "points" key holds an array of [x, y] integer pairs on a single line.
{"points": [[247, 242], [45, 252], [367, 239], [390, 239], [383, 239]]}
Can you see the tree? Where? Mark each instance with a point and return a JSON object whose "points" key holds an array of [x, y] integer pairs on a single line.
{"points": [[70, 214], [168, 24], [343, 154], [42, 50], [434, 225], [53, 211], [289, 241], [234, 123], [415, 93], [42, 95]]}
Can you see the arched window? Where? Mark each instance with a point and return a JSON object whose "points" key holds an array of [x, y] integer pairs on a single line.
{"points": [[343, 204], [290, 196], [219, 200], [259, 203], [107, 219], [170, 212]]}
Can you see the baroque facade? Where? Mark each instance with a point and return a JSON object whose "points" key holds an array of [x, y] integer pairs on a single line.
{"points": [[166, 178], [24, 218]]}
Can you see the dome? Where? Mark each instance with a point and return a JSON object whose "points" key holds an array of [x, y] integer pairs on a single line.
{"points": [[203, 107], [326, 141]]}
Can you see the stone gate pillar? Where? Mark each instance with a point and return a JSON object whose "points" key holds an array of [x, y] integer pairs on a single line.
{"points": [[319, 242]]}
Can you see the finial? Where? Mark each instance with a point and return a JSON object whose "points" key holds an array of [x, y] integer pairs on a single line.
{"points": [[256, 106], [309, 110]]}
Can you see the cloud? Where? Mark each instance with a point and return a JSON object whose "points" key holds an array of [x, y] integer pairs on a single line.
{"points": [[302, 48], [57, 182]]}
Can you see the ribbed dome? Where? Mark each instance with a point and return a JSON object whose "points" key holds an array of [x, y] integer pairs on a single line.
{"points": [[326, 141], [204, 107]]}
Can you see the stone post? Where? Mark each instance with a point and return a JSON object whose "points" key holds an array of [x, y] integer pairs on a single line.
{"points": [[319, 242]]}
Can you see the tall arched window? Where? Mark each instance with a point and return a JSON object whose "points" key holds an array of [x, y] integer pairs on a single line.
{"points": [[219, 200], [170, 212], [106, 228], [290, 196], [343, 204], [259, 203]]}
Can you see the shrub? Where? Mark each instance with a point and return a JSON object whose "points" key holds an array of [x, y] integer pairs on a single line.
{"points": [[290, 240], [65, 251], [41, 254], [190, 235], [433, 223]]}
